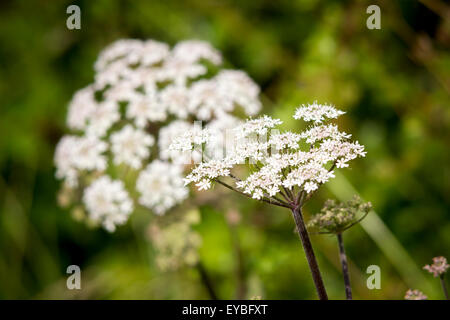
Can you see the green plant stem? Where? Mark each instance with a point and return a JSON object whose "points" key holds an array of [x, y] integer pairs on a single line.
{"points": [[241, 290], [309, 252], [206, 280], [444, 286], [344, 264]]}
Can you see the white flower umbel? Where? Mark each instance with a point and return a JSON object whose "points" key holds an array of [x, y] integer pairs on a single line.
{"points": [[75, 154], [144, 109], [65, 167], [161, 186], [285, 168], [166, 137], [176, 100], [240, 88], [317, 112], [102, 118], [81, 107], [108, 202], [131, 146], [145, 91], [208, 100], [194, 50]]}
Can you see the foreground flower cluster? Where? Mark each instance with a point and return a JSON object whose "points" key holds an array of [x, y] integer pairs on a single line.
{"points": [[282, 163], [144, 94], [285, 167]]}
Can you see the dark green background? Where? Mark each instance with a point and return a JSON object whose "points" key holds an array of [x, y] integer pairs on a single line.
{"points": [[394, 84]]}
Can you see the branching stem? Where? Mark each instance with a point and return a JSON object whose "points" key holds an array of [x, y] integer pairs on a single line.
{"points": [[295, 207]]}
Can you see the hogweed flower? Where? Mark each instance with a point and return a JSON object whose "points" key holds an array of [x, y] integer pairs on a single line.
{"points": [[144, 94], [337, 217], [160, 186], [285, 167], [415, 295], [108, 202], [281, 165]]}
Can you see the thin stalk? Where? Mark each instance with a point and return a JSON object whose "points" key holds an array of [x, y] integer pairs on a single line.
{"points": [[289, 192], [444, 286], [206, 280], [286, 204], [343, 258], [309, 252], [285, 196], [273, 200], [241, 289]]}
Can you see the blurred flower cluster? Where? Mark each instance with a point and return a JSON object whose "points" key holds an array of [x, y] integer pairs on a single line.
{"points": [[415, 295], [438, 269], [439, 266], [176, 243], [144, 94], [337, 217]]}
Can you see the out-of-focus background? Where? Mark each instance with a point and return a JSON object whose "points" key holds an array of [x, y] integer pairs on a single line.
{"points": [[394, 84]]}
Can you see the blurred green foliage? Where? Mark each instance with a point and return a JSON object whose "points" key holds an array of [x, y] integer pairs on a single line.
{"points": [[393, 83]]}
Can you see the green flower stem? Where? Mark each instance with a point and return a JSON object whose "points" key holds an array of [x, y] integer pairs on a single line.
{"points": [[309, 252], [241, 290], [206, 280], [343, 259], [444, 286]]}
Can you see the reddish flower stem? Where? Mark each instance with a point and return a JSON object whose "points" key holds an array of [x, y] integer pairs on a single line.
{"points": [[343, 259], [309, 252]]}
